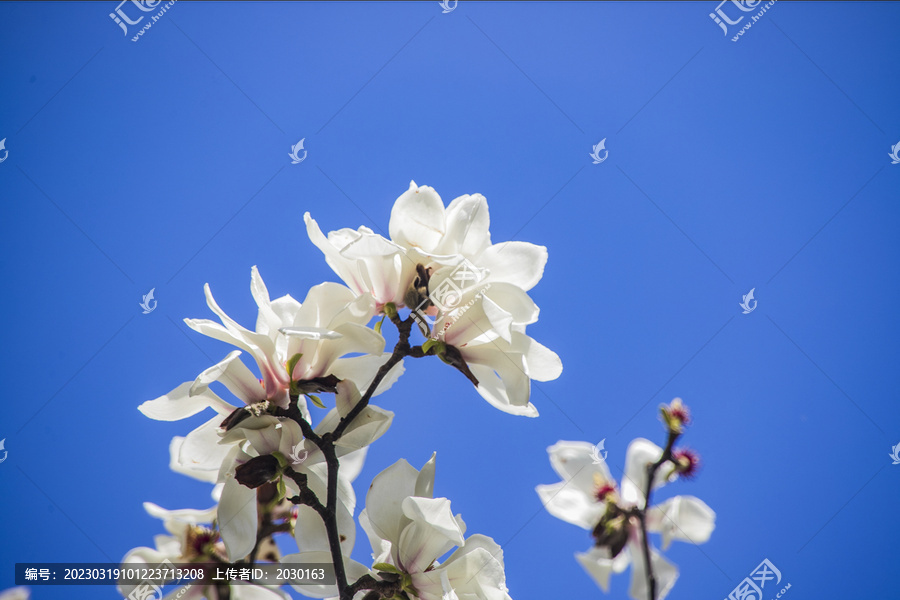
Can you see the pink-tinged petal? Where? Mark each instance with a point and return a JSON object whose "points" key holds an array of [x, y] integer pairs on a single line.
{"points": [[564, 501], [467, 226], [237, 519], [518, 263], [684, 518], [640, 453], [180, 404], [665, 573], [235, 376], [599, 565], [417, 218]]}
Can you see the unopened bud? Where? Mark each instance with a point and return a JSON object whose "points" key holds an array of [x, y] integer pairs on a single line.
{"points": [[675, 415], [260, 470]]}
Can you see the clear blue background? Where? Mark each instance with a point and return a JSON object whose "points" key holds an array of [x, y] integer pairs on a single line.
{"points": [[757, 164]]}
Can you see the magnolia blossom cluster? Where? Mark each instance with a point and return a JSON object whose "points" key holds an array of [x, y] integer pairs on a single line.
{"points": [[617, 515], [280, 467]]}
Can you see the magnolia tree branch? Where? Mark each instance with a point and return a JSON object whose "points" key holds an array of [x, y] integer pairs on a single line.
{"points": [[326, 443], [642, 514]]}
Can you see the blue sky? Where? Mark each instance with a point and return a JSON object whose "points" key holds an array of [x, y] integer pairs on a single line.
{"points": [[761, 163]]}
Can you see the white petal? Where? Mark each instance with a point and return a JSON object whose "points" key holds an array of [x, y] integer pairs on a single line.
{"points": [[508, 391], [353, 569], [381, 548], [367, 427], [200, 454], [362, 369], [237, 519], [467, 225], [432, 532], [425, 479], [417, 218], [179, 404], [571, 505], [575, 462], [385, 496], [600, 566], [235, 376], [185, 515], [256, 592], [541, 363], [311, 535], [682, 518], [473, 571], [519, 263], [640, 453], [665, 573], [267, 321]]}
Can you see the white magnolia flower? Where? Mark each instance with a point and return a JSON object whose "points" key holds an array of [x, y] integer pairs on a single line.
{"points": [[425, 233], [314, 336], [499, 356], [189, 540], [588, 495], [409, 530], [277, 439]]}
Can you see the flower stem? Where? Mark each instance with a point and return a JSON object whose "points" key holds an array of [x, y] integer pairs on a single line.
{"points": [[642, 515], [326, 443]]}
